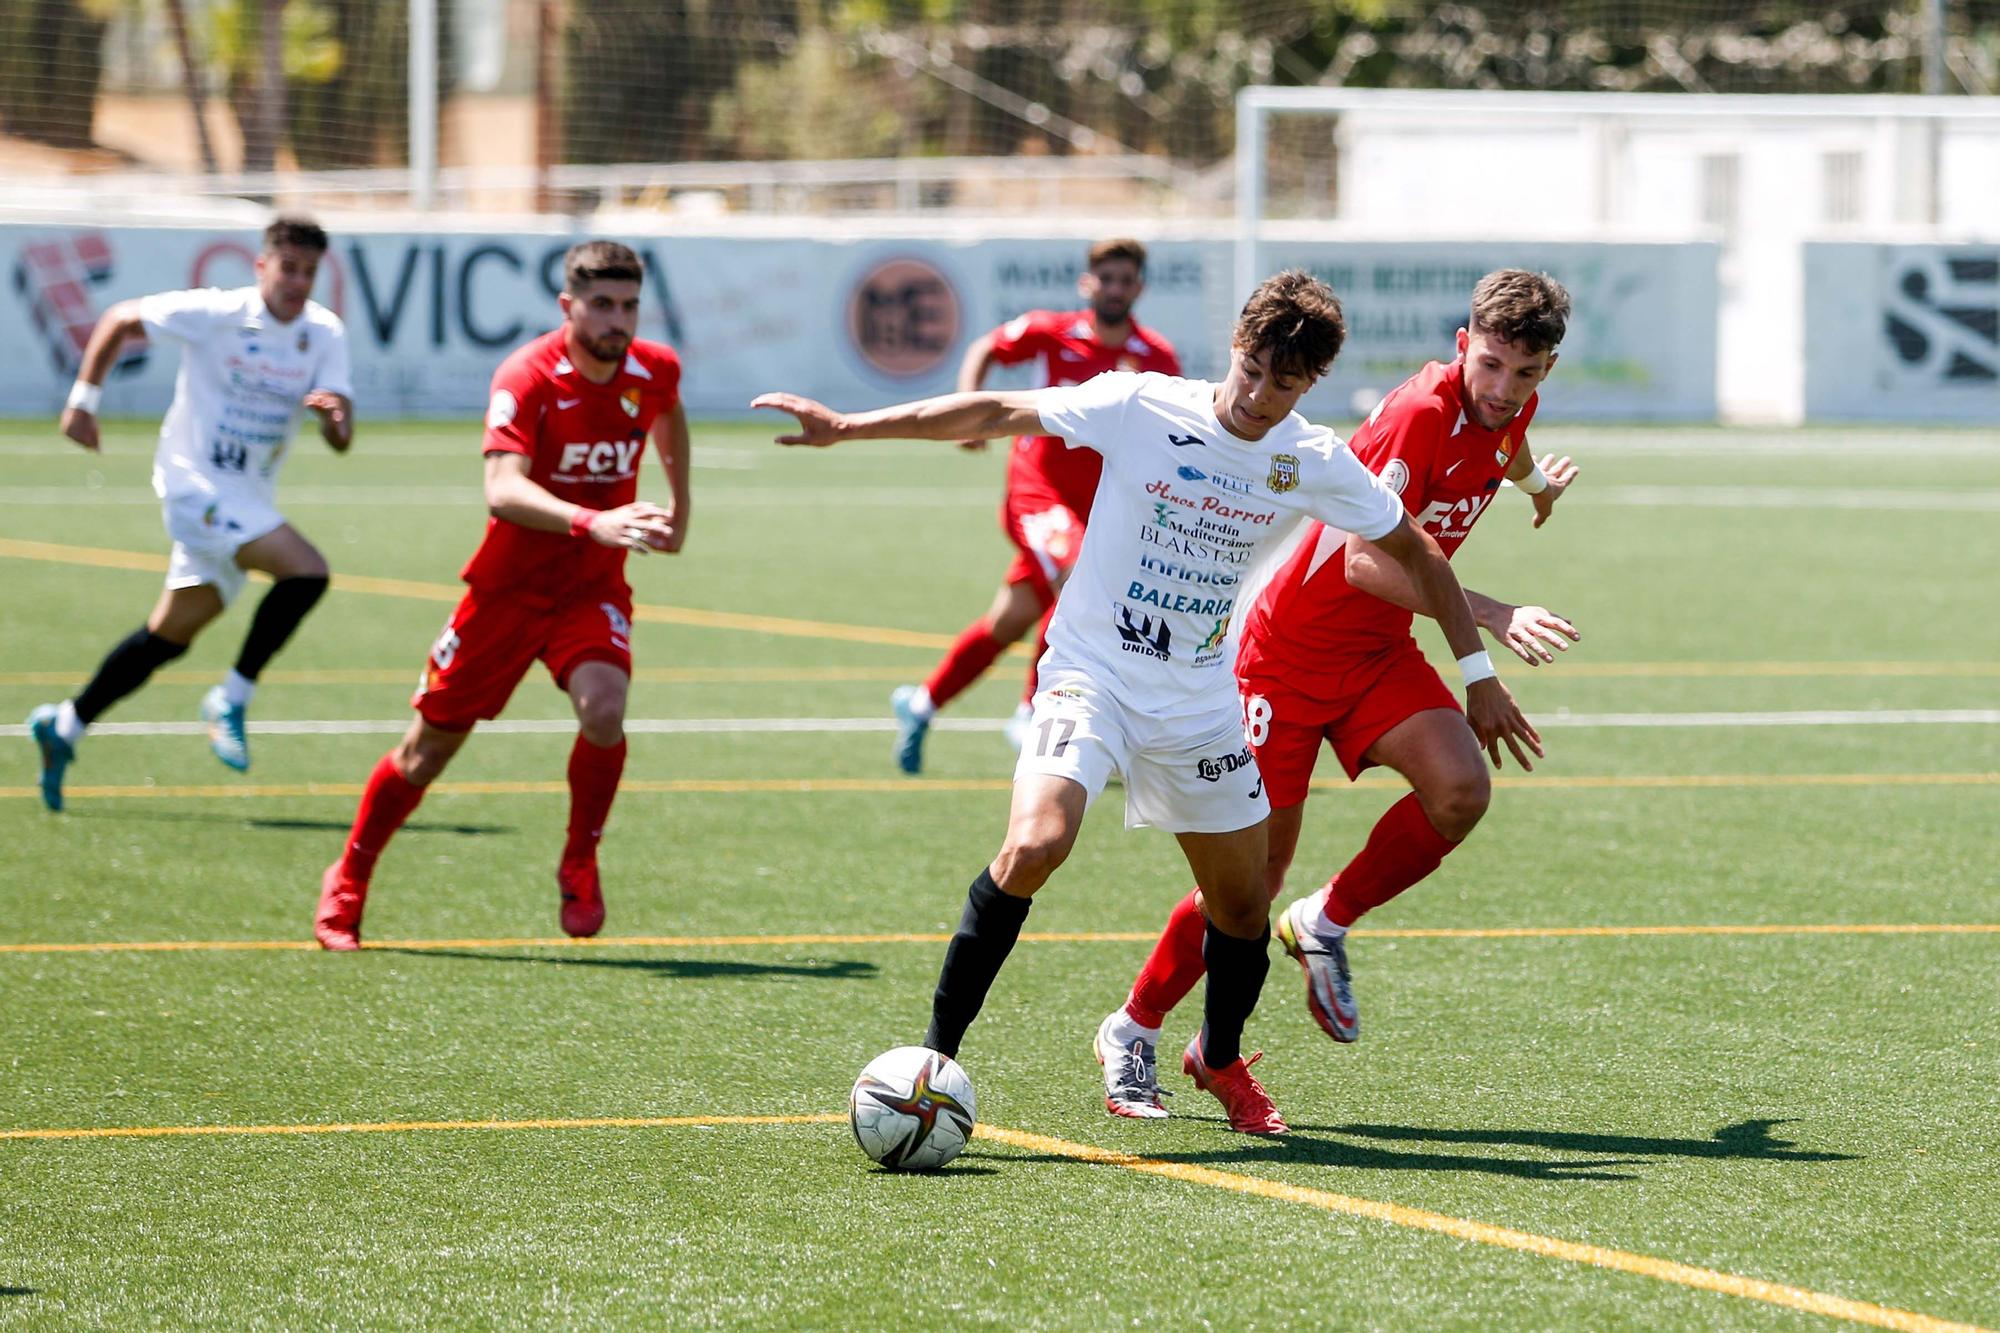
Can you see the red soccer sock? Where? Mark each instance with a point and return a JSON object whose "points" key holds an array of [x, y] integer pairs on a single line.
{"points": [[1402, 848], [593, 782], [386, 802], [1173, 968], [974, 651]]}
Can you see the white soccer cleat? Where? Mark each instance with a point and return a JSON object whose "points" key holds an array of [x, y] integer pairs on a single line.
{"points": [[226, 734], [1131, 1075], [1329, 990]]}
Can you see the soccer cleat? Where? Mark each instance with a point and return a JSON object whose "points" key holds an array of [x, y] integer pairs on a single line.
{"points": [[1243, 1098], [337, 925], [910, 730], [1329, 990], [1017, 726], [56, 753], [582, 898], [1131, 1081], [225, 729]]}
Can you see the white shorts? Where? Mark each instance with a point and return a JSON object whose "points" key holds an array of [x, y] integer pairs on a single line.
{"points": [[207, 528], [1185, 774]]}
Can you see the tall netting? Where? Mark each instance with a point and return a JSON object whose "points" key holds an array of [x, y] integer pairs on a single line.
{"points": [[849, 104]]}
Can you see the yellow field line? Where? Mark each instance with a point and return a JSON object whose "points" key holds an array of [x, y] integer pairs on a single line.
{"points": [[817, 941], [102, 558], [891, 786], [105, 558], [1395, 1214], [409, 1126], [1485, 1233]]}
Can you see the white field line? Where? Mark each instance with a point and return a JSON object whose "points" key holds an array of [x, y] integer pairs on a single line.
{"points": [[1795, 497], [833, 725]]}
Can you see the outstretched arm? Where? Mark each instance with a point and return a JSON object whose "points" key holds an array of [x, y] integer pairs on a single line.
{"points": [[79, 419], [972, 376], [954, 416], [1529, 631], [1491, 710]]}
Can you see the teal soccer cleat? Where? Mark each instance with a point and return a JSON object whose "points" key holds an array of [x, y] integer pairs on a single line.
{"points": [[225, 729], [56, 753], [910, 730]]}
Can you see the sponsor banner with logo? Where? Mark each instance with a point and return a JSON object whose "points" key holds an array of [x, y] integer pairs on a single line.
{"points": [[1902, 332], [858, 322], [1642, 332]]}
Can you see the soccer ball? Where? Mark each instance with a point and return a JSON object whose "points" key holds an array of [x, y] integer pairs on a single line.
{"points": [[912, 1109]]}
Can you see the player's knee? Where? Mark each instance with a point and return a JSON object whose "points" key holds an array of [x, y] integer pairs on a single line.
{"points": [[602, 721], [1242, 915], [1456, 804], [420, 764], [1031, 855]]}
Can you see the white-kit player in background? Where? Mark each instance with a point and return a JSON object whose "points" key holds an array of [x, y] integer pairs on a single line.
{"points": [[251, 359], [1201, 480]]}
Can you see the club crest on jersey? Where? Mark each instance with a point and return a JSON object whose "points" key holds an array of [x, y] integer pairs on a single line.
{"points": [[500, 412], [1396, 475], [1506, 448], [1284, 473], [629, 400], [304, 341]]}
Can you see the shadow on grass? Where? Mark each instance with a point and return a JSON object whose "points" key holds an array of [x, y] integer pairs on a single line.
{"points": [[680, 969], [17, 1291], [1296, 1149], [282, 825], [1746, 1140], [959, 1169]]}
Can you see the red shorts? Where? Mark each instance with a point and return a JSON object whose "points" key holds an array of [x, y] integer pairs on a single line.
{"points": [[1047, 532], [1286, 728], [491, 642]]}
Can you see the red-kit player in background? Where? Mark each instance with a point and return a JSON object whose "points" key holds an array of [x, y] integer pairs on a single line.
{"points": [[1049, 484], [1327, 658], [568, 420]]}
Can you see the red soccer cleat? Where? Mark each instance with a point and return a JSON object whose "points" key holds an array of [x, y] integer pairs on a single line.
{"points": [[338, 923], [582, 898], [1249, 1107]]}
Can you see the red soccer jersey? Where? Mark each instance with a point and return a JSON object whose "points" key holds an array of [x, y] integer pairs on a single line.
{"points": [[1067, 343], [583, 442], [1309, 621]]}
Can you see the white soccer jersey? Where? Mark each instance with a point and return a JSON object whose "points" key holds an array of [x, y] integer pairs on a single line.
{"points": [[237, 397], [1184, 512]]}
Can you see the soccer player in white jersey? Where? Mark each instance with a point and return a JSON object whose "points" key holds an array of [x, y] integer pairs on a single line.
{"points": [[1200, 481], [251, 359]]}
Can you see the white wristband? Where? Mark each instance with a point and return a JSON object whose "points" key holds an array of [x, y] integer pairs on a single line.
{"points": [[1476, 667], [1534, 483], [85, 397]]}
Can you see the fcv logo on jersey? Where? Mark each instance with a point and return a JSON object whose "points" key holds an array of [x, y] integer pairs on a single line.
{"points": [[606, 458]]}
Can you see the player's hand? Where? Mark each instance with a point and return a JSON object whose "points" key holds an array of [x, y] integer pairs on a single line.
{"points": [[641, 526], [1560, 472], [1532, 630], [80, 426], [819, 425], [669, 539], [1497, 719], [336, 416], [974, 446]]}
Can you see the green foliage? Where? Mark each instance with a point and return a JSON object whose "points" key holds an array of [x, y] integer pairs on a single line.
{"points": [[823, 100]]}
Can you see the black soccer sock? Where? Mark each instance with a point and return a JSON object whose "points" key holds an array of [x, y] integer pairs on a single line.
{"points": [[124, 669], [1236, 971], [986, 934], [277, 616]]}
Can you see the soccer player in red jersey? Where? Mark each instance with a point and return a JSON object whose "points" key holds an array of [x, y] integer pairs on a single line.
{"points": [[1327, 656], [1049, 484], [569, 417]]}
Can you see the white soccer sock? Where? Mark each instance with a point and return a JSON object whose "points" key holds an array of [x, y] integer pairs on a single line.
{"points": [[238, 688], [68, 725], [1125, 1030], [921, 705]]}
